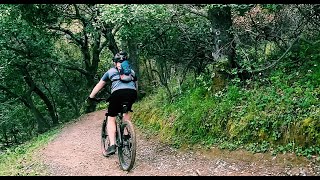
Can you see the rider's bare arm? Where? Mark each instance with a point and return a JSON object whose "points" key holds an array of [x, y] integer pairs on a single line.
{"points": [[97, 88]]}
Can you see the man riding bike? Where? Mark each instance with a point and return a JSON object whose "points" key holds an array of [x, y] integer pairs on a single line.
{"points": [[120, 92]]}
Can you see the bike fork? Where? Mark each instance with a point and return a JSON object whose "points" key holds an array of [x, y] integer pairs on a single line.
{"points": [[119, 138], [104, 125]]}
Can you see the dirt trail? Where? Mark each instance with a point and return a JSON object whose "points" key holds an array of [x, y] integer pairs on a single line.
{"points": [[76, 152]]}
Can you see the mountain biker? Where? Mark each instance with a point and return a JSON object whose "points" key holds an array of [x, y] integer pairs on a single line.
{"points": [[120, 92]]}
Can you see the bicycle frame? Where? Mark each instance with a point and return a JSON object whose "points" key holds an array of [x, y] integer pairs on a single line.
{"points": [[126, 151], [118, 130], [119, 121]]}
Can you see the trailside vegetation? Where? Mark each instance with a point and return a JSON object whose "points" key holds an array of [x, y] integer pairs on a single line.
{"points": [[225, 75]]}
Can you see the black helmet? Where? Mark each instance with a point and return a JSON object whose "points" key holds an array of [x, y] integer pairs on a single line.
{"points": [[123, 55], [116, 58]]}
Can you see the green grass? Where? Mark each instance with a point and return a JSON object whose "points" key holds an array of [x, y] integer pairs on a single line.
{"points": [[279, 114], [22, 159]]}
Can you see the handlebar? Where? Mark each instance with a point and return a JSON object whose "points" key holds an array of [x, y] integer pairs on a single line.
{"points": [[98, 99]]}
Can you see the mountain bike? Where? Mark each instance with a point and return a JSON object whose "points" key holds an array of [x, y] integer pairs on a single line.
{"points": [[126, 148]]}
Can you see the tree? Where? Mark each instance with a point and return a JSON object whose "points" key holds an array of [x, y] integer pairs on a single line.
{"points": [[80, 25], [21, 50]]}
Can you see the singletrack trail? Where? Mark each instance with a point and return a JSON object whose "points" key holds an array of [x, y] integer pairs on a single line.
{"points": [[76, 152]]}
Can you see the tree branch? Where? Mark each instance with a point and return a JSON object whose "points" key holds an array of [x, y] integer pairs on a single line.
{"points": [[275, 62], [66, 66], [193, 11], [68, 32], [14, 95]]}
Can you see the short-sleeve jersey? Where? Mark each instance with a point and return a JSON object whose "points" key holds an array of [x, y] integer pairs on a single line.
{"points": [[113, 75]]}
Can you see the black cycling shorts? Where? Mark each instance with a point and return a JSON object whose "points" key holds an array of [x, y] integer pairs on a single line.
{"points": [[119, 96]]}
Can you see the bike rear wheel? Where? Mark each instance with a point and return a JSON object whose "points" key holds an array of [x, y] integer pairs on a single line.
{"points": [[104, 139], [127, 149]]}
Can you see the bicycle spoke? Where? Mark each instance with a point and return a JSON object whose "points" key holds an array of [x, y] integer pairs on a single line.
{"points": [[127, 152]]}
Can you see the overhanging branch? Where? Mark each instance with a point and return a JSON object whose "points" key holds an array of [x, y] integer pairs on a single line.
{"points": [[279, 59], [67, 66], [68, 32]]}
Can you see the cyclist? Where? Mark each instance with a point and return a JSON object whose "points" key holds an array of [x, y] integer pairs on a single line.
{"points": [[120, 92]]}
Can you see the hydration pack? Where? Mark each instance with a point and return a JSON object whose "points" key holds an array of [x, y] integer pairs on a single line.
{"points": [[125, 72]]}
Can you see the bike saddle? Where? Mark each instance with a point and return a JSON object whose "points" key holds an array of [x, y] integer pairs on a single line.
{"points": [[125, 107]]}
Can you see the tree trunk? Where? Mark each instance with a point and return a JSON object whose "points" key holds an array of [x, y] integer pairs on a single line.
{"points": [[27, 101], [161, 66], [43, 96], [133, 53], [41, 122], [223, 40], [147, 73], [93, 66], [52, 98], [69, 94]]}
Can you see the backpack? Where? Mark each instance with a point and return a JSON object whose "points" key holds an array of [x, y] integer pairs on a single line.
{"points": [[125, 72]]}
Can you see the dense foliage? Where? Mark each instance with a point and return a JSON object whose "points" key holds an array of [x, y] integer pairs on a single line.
{"points": [[231, 75]]}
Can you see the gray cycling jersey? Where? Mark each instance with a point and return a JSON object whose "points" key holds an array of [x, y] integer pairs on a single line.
{"points": [[117, 84]]}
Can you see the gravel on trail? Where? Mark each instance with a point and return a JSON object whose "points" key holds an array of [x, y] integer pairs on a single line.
{"points": [[76, 152]]}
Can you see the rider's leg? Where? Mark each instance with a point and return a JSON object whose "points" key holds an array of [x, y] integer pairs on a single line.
{"points": [[112, 114], [111, 128], [130, 96], [126, 116]]}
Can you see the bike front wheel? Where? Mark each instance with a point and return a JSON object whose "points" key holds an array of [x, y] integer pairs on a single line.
{"points": [[105, 142], [127, 149]]}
